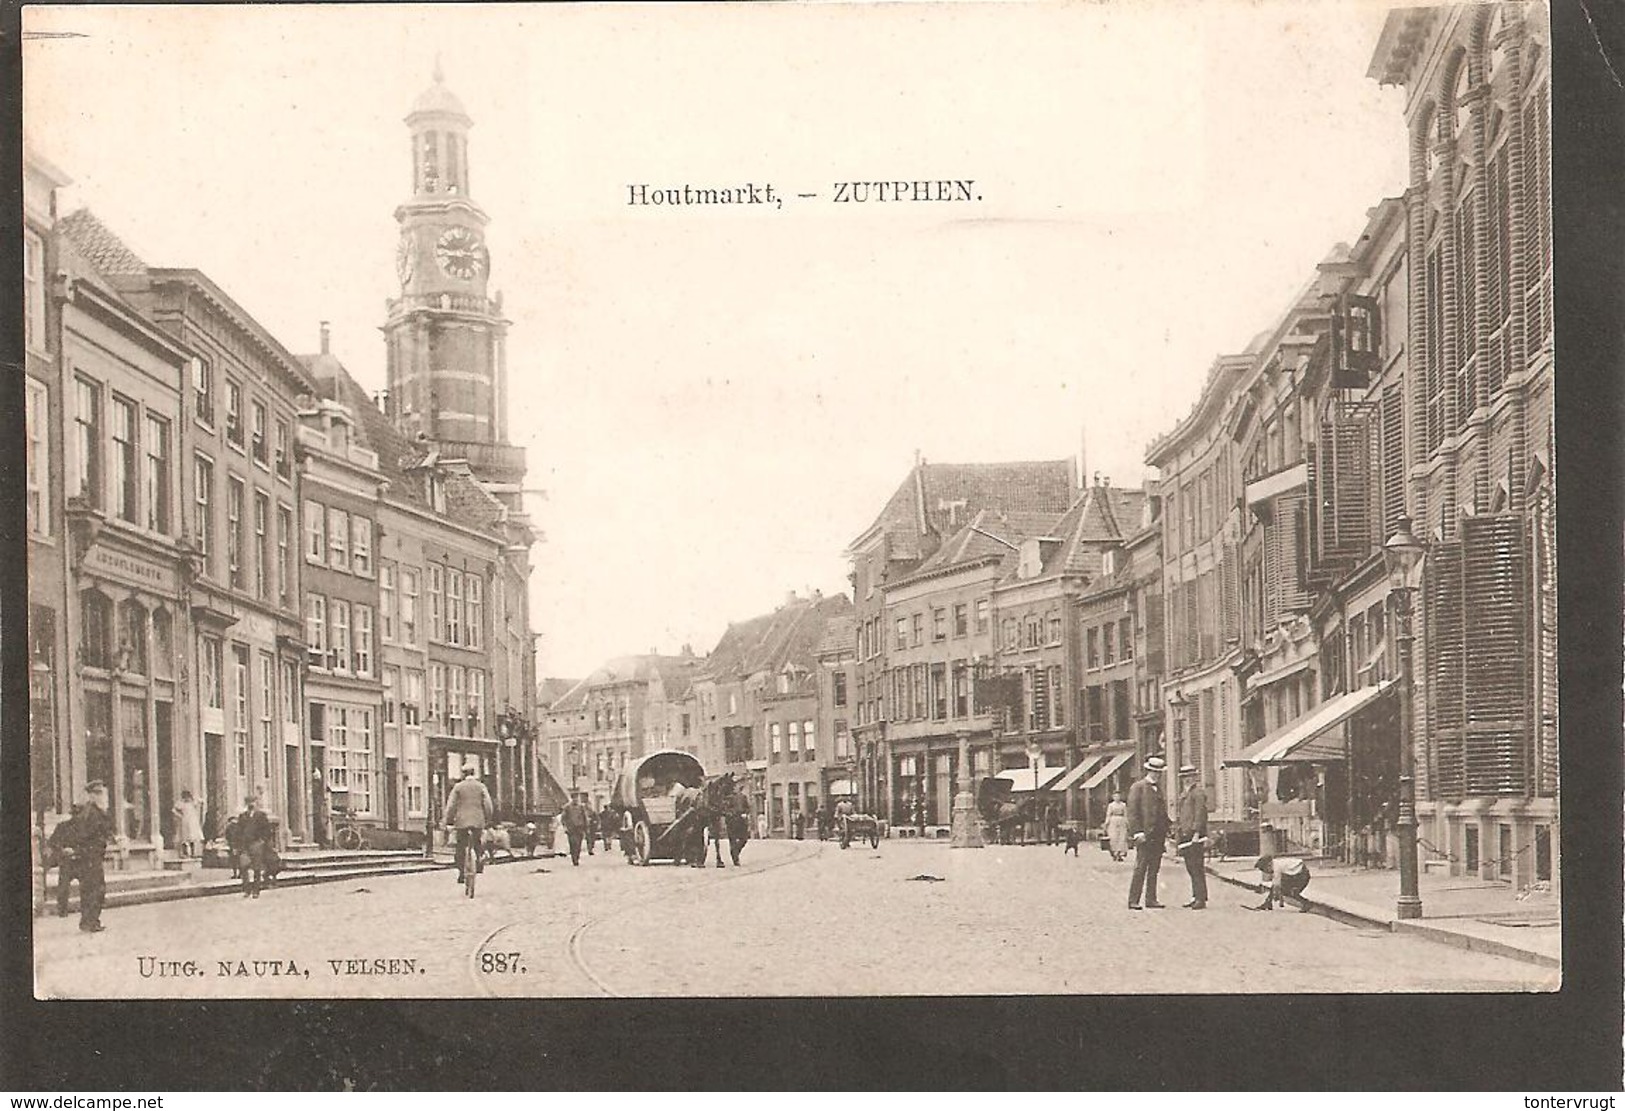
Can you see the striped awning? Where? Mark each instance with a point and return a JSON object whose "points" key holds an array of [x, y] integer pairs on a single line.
{"points": [[1077, 773], [1106, 770], [1023, 779], [1294, 743]]}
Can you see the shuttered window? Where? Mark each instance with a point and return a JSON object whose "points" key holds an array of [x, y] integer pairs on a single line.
{"points": [[1434, 378], [1341, 483], [1393, 459], [1478, 591]]}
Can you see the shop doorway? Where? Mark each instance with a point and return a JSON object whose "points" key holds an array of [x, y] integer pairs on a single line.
{"points": [[214, 770], [292, 785], [163, 725], [392, 789]]}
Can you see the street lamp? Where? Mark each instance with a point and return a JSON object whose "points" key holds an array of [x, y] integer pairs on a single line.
{"points": [[575, 767], [1402, 553]]}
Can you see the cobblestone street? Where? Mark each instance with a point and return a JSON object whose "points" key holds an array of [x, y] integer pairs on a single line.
{"points": [[802, 918]]}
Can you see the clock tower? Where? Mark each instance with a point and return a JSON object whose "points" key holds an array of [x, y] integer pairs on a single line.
{"points": [[445, 335]]}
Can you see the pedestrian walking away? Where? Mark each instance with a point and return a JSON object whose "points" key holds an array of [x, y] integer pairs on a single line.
{"points": [[92, 832], [1285, 878], [1191, 834], [468, 811], [608, 827], [252, 843], [1117, 827], [1072, 835], [577, 821], [1148, 831]]}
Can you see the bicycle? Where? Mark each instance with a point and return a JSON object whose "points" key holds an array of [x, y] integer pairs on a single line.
{"points": [[348, 836], [468, 858]]}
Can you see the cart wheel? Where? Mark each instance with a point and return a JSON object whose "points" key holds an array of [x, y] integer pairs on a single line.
{"points": [[640, 843], [349, 838], [874, 837]]}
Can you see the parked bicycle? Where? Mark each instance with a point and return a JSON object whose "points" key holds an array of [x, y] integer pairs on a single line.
{"points": [[347, 835]]}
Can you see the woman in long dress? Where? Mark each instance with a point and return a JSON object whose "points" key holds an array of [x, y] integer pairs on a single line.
{"points": [[190, 825], [1117, 827]]}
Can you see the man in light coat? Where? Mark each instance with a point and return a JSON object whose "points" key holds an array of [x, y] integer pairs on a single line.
{"points": [[1148, 832], [468, 811]]}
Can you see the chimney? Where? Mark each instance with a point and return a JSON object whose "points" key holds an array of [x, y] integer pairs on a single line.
{"points": [[326, 336]]}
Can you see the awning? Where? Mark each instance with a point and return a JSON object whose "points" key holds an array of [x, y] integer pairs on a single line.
{"points": [[1078, 772], [1022, 779], [841, 787], [1105, 770], [1295, 743]]}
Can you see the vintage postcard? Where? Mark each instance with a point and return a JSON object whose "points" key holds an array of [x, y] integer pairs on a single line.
{"points": [[791, 500]]}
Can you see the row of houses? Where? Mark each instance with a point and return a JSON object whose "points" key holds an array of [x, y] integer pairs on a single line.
{"points": [[1236, 612], [245, 576]]}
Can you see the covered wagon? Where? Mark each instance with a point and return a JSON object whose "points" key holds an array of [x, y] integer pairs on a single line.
{"points": [[658, 790]]}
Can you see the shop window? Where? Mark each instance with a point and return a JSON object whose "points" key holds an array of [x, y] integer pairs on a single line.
{"points": [[96, 628]]}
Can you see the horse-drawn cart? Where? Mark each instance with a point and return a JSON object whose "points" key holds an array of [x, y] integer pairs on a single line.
{"points": [[651, 788]]}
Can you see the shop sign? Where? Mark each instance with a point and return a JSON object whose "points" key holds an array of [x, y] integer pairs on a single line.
{"points": [[131, 569]]}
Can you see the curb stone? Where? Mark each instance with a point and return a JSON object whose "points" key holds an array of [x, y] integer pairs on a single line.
{"points": [[1350, 913]]}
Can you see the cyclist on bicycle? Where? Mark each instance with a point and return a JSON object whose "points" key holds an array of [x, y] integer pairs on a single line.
{"points": [[468, 811]]}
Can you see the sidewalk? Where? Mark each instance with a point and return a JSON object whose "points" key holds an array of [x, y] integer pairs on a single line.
{"points": [[1461, 911]]}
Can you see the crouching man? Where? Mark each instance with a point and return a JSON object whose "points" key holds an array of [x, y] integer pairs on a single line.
{"points": [[1285, 878]]}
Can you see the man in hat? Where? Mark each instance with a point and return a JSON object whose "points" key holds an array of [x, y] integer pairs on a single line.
{"points": [[468, 811], [1148, 831], [577, 820], [1191, 833], [84, 848]]}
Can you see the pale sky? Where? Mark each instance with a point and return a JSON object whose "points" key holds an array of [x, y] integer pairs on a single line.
{"points": [[717, 400]]}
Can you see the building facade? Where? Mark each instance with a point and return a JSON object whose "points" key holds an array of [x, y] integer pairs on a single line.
{"points": [[1478, 455], [932, 503]]}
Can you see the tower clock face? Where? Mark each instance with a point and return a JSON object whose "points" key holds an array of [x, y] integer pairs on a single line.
{"points": [[405, 257], [460, 252]]}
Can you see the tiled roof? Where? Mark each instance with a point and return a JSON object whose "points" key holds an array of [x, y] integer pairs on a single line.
{"points": [[100, 247], [980, 539], [941, 497], [792, 633], [1103, 515], [550, 690], [374, 431], [840, 635]]}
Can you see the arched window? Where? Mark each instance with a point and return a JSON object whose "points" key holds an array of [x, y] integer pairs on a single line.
{"points": [[132, 636], [96, 628]]}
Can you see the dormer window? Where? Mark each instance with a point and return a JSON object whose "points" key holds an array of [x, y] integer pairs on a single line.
{"points": [[1108, 562]]}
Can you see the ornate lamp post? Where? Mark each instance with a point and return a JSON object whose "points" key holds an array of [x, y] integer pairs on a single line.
{"points": [[575, 765], [1402, 553]]}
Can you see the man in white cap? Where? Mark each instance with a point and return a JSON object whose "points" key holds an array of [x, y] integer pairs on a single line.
{"points": [[468, 811], [1191, 833], [1148, 831]]}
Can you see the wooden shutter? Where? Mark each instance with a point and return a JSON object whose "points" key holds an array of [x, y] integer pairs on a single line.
{"points": [[1155, 648], [1444, 643], [1393, 459], [1192, 617], [1230, 573], [1497, 676], [1206, 762], [1341, 482]]}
